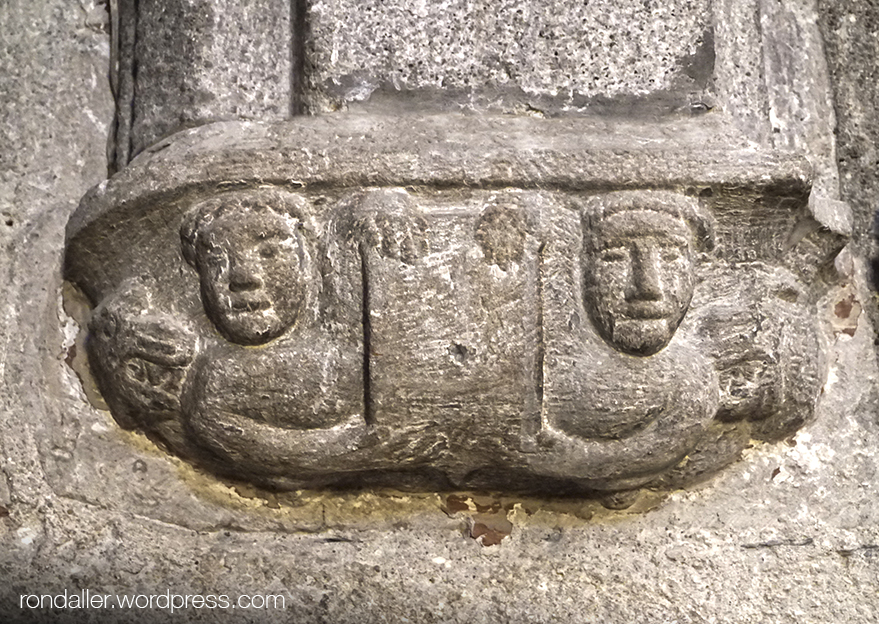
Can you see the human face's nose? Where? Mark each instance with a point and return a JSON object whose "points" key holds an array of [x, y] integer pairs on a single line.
{"points": [[645, 277], [244, 274]]}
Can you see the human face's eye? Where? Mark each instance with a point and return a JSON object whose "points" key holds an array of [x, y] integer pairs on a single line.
{"points": [[670, 254], [268, 250], [614, 254], [673, 251]]}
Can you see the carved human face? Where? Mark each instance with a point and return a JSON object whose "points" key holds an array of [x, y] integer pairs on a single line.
{"points": [[639, 279], [250, 265]]}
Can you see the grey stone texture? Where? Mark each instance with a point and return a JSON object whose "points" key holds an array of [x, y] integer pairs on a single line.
{"points": [[377, 339], [515, 56], [788, 534], [852, 48], [182, 63]]}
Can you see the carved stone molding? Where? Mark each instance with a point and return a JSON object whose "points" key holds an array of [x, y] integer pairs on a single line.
{"points": [[469, 302], [341, 258]]}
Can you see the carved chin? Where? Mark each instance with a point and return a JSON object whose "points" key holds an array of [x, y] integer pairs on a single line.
{"points": [[250, 328], [641, 336]]}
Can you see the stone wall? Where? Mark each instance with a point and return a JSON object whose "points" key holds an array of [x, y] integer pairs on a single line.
{"points": [[788, 534], [848, 29]]}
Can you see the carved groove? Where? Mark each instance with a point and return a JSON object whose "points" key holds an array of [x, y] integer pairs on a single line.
{"points": [[123, 78], [299, 25], [539, 361], [369, 412]]}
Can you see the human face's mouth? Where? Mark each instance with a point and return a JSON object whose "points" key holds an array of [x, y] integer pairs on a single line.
{"points": [[647, 310], [245, 303]]}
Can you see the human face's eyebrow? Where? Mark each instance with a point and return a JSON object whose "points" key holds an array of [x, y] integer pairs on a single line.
{"points": [[273, 232], [625, 227]]}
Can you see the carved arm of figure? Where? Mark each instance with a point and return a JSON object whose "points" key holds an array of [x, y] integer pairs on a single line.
{"points": [[279, 392], [293, 409], [629, 419], [631, 398]]}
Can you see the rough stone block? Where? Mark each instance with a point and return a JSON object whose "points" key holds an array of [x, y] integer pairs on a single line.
{"points": [[196, 61], [550, 56]]}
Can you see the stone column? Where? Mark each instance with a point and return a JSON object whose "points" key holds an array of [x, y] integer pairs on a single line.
{"points": [[184, 63]]}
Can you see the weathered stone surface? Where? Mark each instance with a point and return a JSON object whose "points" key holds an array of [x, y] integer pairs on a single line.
{"points": [[792, 527], [546, 57], [395, 214], [851, 48], [187, 62], [370, 318]]}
